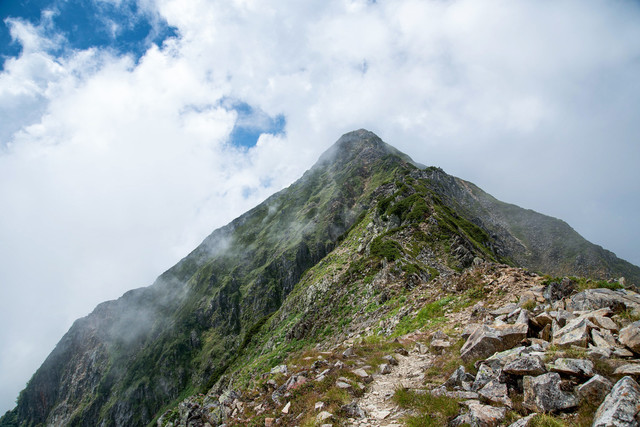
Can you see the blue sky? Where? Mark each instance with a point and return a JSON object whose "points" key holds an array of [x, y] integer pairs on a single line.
{"points": [[130, 129]]}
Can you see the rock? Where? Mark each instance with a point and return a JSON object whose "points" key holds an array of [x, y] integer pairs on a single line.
{"points": [[487, 340], [525, 365], [543, 319], [628, 369], [390, 360], [575, 332], [543, 394], [319, 405], [562, 316], [349, 352], [484, 375], [498, 360], [286, 408], [295, 381], [324, 415], [480, 415], [577, 367], [621, 352], [269, 422], [556, 291], [343, 385], [593, 299], [458, 377], [602, 338], [440, 345], [605, 323], [380, 415], [469, 329], [599, 353], [280, 369], [401, 350], [523, 422], [495, 392], [621, 407], [385, 368], [595, 390], [359, 372], [506, 309], [630, 336], [352, 410]]}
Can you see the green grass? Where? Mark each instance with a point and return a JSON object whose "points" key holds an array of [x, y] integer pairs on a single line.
{"points": [[432, 410], [429, 314]]}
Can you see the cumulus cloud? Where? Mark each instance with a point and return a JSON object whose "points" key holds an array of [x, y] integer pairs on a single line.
{"points": [[112, 167]]}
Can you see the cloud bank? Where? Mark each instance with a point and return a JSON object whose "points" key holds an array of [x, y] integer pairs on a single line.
{"points": [[115, 165]]}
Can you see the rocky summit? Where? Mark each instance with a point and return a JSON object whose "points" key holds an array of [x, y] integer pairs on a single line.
{"points": [[372, 291]]}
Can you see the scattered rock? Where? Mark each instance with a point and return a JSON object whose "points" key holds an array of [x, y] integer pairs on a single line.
{"points": [[385, 368], [630, 336], [286, 408], [523, 422], [577, 367], [348, 352], [487, 340], [324, 415], [628, 369], [543, 394], [352, 410], [390, 360], [595, 390], [556, 291], [319, 405], [280, 369], [621, 407], [594, 299], [269, 422], [343, 385], [480, 415], [495, 392], [525, 365], [575, 332]]}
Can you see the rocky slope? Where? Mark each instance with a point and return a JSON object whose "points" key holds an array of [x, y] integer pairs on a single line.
{"points": [[317, 262]]}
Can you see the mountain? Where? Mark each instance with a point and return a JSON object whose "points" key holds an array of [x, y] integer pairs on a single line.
{"points": [[363, 223]]}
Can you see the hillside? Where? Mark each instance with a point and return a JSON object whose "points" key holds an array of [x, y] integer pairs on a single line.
{"points": [[324, 259]]}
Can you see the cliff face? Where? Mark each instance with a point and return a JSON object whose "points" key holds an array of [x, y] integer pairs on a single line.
{"points": [[131, 359]]}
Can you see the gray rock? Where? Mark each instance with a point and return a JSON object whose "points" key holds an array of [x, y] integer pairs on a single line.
{"points": [[621, 407], [495, 392], [595, 390], [525, 365], [593, 299], [352, 410], [630, 336], [628, 369], [577, 367], [556, 291], [602, 338], [505, 309], [575, 332], [487, 340], [440, 345], [459, 376], [280, 369], [384, 368], [605, 323], [523, 422], [348, 352], [543, 394], [484, 375], [480, 415]]}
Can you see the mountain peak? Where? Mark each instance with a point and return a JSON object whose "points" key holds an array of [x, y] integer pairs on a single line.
{"points": [[363, 144]]}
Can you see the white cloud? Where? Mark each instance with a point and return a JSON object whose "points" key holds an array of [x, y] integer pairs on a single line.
{"points": [[113, 169]]}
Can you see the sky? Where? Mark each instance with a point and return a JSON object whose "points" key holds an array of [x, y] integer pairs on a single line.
{"points": [[131, 129]]}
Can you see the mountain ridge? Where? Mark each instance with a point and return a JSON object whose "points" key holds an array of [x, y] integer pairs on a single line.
{"points": [[133, 356]]}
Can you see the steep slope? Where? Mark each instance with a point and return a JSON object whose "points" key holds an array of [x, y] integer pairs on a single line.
{"points": [[132, 358]]}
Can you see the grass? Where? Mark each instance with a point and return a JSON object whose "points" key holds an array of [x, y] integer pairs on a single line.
{"points": [[428, 315], [431, 410]]}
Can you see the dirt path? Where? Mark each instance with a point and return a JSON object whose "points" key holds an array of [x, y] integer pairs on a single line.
{"points": [[377, 401]]}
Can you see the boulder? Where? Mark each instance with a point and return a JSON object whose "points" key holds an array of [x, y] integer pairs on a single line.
{"points": [[595, 390], [602, 338], [628, 369], [621, 407], [495, 392], [543, 394], [484, 375], [593, 299], [576, 367], [487, 340], [630, 336], [605, 323], [480, 415], [459, 376], [352, 410], [384, 368], [556, 291], [575, 332], [525, 365]]}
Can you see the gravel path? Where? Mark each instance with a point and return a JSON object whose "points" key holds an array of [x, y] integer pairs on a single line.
{"points": [[378, 403]]}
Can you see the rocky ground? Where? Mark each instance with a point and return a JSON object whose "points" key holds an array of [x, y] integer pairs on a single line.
{"points": [[527, 352]]}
